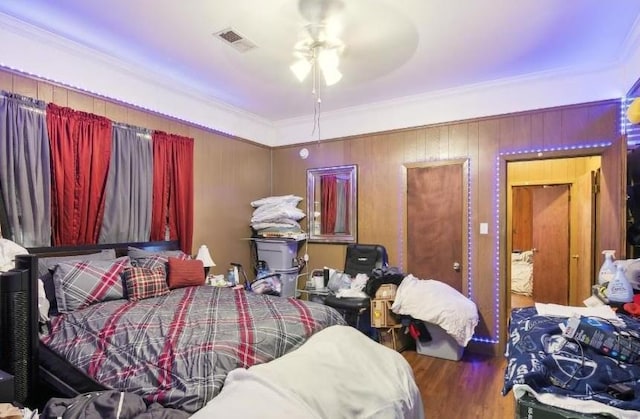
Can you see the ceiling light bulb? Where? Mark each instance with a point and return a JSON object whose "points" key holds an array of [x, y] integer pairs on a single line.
{"points": [[301, 69], [328, 58], [331, 75]]}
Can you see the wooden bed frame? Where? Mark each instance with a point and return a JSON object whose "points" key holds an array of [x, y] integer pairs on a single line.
{"points": [[36, 375]]}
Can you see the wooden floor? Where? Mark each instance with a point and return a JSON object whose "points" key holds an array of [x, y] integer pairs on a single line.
{"points": [[465, 389], [469, 388]]}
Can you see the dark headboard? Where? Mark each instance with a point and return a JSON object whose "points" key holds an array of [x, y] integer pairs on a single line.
{"points": [[120, 248]]}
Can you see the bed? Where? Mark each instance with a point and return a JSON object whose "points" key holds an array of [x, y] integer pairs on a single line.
{"points": [[522, 273], [565, 372], [176, 348]]}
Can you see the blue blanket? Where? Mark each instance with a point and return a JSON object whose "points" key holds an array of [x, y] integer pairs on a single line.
{"points": [[541, 358]]}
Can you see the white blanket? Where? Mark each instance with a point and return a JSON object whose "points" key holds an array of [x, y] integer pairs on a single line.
{"points": [[8, 252], [337, 373], [438, 303]]}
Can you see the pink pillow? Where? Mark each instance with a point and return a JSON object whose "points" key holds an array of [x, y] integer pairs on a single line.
{"points": [[185, 273]]}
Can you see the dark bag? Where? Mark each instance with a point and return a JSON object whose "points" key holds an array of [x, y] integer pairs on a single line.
{"points": [[381, 276], [107, 404]]}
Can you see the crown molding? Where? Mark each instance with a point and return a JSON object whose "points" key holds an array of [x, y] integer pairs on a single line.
{"points": [[31, 50], [534, 91]]}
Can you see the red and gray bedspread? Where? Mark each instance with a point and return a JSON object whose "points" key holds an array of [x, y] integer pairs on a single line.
{"points": [[177, 349]]}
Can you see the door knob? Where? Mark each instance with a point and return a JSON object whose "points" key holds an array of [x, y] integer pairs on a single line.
{"points": [[456, 266], [534, 250]]}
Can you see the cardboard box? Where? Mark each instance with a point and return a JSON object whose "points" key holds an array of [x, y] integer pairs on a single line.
{"points": [[393, 338], [381, 314], [386, 292]]}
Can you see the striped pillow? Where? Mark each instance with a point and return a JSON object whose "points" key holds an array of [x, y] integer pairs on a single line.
{"points": [[145, 283], [80, 284]]}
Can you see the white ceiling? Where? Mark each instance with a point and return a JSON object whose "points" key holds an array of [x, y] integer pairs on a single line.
{"points": [[406, 62]]}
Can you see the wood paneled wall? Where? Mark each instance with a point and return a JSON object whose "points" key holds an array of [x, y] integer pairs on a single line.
{"points": [[381, 158], [229, 172]]}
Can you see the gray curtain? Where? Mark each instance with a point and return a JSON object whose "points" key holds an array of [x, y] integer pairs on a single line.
{"points": [[127, 211], [341, 207], [25, 174]]}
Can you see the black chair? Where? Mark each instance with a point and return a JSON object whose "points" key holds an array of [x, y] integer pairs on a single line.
{"points": [[360, 258]]}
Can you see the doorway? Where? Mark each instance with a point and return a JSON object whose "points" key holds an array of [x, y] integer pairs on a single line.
{"points": [[550, 217]]}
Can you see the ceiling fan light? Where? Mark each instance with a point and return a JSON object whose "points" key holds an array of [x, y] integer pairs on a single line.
{"points": [[331, 75], [328, 58], [301, 69]]}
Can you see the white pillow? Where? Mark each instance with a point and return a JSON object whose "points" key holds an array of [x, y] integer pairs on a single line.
{"points": [[286, 199], [8, 252], [43, 302]]}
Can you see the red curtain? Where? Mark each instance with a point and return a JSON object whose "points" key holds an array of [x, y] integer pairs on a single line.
{"points": [[80, 151], [172, 213], [328, 186]]}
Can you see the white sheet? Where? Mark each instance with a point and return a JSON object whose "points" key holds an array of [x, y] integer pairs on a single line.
{"points": [[604, 311], [522, 273], [438, 303], [337, 373]]}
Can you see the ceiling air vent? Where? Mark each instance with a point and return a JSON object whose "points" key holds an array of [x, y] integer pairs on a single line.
{"points": [[233, 38]]}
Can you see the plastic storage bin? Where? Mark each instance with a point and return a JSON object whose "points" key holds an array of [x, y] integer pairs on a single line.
{"points": [[441, 344], [289, 278], [279, 254]]}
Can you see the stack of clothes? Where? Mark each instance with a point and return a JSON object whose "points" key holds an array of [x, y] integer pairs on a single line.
{"points": [[277, 217]]}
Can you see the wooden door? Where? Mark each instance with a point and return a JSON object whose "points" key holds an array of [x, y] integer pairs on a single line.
{"points": [[611, 208], [521, 218], [551, 244], [435, 222], [583, 232]]}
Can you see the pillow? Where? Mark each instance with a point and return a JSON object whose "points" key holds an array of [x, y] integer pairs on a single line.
{"points": [[43, 303], [80, 284], [185, 273], [144, 283], [151, 260], [135, 253], [47, 264]]}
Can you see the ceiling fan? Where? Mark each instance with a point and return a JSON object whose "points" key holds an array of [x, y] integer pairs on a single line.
{"points": [[320, 50]]}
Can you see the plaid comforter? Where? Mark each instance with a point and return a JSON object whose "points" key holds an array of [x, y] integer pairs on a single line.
{"points": [[177, 349]]}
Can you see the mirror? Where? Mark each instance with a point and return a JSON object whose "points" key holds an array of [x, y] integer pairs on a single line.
{"points": [[332, 211]]}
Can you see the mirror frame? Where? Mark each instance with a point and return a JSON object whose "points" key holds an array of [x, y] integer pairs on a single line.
{"points": [[313, 179]]}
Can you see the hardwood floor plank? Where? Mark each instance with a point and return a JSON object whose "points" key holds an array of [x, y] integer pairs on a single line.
{"points": [[465, 389]]}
